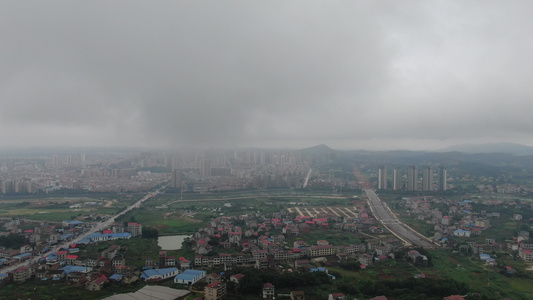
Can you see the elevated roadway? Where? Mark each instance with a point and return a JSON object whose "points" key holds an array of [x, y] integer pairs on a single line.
{"points": [[384, 214]]}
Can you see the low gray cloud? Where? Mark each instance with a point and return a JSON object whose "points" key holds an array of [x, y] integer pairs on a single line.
{"points": [[359, 74]]}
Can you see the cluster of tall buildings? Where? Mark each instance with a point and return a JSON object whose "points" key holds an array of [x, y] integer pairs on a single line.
{"points": [[411, 180]]}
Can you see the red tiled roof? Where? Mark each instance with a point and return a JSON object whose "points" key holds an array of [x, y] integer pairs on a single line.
{"points": [[214, 284], [100, 280]]}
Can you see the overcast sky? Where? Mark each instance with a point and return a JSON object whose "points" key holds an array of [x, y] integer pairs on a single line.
{"points": [[349, 74]]}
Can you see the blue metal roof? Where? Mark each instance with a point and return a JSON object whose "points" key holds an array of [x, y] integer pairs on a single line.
{"points": [[193, 272], [22, 255], [116, 277], [121, 235], [157, 272], [184, 276], [65, 236], [69, 269]]}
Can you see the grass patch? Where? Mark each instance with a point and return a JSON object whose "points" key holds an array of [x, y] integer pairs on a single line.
{"points": [[154, 218], [480, 278]]}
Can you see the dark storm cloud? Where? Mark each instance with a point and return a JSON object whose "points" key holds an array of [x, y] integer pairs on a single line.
{"points": [[269, 73]]}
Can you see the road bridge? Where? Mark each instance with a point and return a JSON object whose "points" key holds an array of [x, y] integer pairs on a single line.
{"points": [[384, 214]]}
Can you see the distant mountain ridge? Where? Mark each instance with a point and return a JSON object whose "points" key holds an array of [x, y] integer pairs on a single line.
{"points": [[509, 148], [318, 149]]}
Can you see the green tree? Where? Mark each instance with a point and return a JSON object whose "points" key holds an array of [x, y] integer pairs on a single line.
{"points": [[150, 233]]}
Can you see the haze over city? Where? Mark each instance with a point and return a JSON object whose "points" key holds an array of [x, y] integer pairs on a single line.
{"points": [[352, 75]]}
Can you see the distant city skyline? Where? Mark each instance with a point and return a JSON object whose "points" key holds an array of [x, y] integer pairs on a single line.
{"points": [[353, 75]]}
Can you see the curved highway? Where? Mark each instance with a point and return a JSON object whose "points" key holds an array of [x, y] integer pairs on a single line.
{"points": [[384, 214]]}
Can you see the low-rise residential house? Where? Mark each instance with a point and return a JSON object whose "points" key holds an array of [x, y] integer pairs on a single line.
{"points": [[526, 254], [4, 277], [235, 237], [416, 258], [56, 275], [350, 227], [110, 252], [135, 229], [212, 278], [298, 244], [236, 278], [184, 263], [25, 249], [71, 259], [302, 264], [22, 274], [477, 248], [215, 290], [170, 261], [482, 223], [228, 266], [268, 291], [61, 255], [259, 254], [462, 233], [297, 295], [90, 262], [383, 250], [40, 273], [373, 244], [337, 296], [262, 263], [34, 238], [365, 259], [118, 260], [322, 250], [97, 284]]}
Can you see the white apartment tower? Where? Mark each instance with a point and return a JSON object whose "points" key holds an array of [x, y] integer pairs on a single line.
{"points": [[427, 179], [412, 178], [397, 179], [442, 178], [382, 178]]}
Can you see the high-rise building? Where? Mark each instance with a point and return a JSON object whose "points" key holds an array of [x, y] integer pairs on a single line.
{"points": [[427, 178], [412, 178], [382, 178], [205, 167], [397, 179], [176, 178], [443, 174], [82, 160]]}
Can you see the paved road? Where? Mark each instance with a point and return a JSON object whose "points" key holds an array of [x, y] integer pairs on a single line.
{"points": [[99, 227], [306, 181], [384, 214]]}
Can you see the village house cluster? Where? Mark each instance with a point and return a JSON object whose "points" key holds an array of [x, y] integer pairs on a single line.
{"points": [[66, 264], [262, 241], [460, 224]]}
